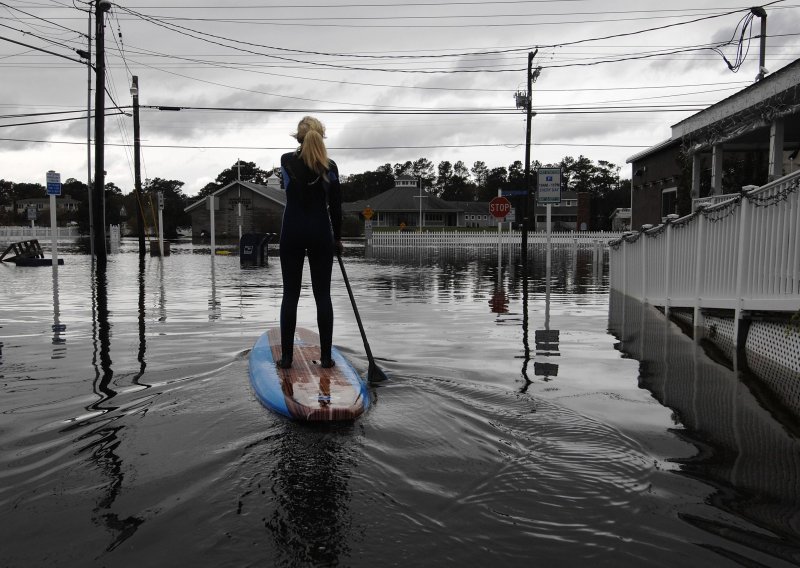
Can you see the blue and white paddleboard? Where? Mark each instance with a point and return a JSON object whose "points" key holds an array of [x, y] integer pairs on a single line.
{"points": [[306, 391]]}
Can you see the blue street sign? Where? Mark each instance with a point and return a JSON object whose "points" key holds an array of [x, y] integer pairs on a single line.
{"points": [[513, 192], [53, 183]]}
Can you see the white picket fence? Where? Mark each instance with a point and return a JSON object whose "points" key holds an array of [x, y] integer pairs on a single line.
{"points": [[740, 254], [488, 238], [11, 234]]}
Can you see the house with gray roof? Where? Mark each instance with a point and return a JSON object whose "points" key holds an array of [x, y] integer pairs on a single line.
{"points": [[253, 207], [409, 205]]}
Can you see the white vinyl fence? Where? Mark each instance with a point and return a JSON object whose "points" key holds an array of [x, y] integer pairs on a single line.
{"points": [[488, 238], [11, 234], [741, 254]]}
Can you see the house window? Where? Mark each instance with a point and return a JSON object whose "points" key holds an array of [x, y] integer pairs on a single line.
{"points": [[669, 201]]}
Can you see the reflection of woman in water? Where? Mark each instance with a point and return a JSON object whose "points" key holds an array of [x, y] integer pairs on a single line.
{"points": [[312, 223]]}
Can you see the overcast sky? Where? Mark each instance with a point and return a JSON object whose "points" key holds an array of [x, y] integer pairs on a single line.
{"points": [[265, 54]]}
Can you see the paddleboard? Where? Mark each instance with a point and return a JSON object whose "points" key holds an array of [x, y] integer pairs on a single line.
{"points": [[306, 391]]}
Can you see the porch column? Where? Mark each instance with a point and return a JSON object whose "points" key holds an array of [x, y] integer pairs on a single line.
{"points": [[716, 169], [696, 168], [776, 149]]}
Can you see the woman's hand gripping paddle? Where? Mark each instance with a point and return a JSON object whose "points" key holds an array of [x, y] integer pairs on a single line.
{"points": [[374, 374]]}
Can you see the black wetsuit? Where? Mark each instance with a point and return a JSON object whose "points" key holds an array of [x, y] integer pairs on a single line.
{"points": [[312, 221]]}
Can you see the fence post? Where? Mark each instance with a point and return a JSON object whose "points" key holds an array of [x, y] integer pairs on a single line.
{"points": [[698, 321], [741, 270], [645, 228], [624, 255], [668, 271]]}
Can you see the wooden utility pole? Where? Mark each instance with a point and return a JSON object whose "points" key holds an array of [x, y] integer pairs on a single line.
{"points": [[137, 165], [98, 195]]}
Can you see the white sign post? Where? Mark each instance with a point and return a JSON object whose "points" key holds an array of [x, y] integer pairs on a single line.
{"points": [[212, 204], [161, 224], [53, 190], [548, 192]]}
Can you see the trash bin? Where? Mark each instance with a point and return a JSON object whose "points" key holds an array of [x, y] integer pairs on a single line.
{"points": [[253, 249]]}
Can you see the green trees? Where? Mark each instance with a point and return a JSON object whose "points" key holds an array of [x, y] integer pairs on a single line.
{"points": [[246, 171], [367, 184]]}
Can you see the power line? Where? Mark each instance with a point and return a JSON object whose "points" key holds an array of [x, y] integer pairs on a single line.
{"points": [[336, 148], [43, 19], [25, 115], [183, 31], [431, 111], [56, 120], [44, 50], [23, 32]]}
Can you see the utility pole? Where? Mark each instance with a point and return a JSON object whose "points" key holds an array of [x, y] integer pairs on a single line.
{"points": [[762, 68], [524, 102], [98, 195], [137, 165]]}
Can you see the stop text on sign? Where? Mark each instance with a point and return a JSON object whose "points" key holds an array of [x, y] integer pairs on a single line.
{"points": [[499, 207]]}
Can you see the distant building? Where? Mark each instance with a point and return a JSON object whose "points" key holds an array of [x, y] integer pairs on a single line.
{"points": [[408, 205], [621, 219], [261, 211], [41, 204], [752, 136], [563, 216], [474, 214]]}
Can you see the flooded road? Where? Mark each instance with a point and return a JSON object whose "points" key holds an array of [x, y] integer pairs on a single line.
{"points": [[129, 434]]}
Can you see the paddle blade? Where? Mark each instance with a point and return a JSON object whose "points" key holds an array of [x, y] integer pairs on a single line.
{"points": [[375, 374]]}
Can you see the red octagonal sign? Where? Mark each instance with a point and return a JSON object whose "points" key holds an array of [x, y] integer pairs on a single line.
{"points": [[499, 207]]}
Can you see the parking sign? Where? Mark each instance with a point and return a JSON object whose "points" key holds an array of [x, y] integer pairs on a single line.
{"points": [[549, 186], [53, 183]]}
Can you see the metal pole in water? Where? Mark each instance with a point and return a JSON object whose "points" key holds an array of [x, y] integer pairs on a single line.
{"points": [[161, 224], [54, 230], [211, 200], [549, 230]]}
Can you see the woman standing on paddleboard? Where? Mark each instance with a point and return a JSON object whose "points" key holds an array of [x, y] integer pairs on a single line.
{"points": [[312, 223]]}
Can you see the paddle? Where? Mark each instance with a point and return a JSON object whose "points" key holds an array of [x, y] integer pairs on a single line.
{"points": [[374, 374]]}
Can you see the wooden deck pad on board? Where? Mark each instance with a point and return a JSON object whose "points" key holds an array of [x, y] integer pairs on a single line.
{"points": [[312, 392]]}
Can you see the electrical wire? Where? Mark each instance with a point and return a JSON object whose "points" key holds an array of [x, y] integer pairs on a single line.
{"points": [[56, 120], [339, 148], [44, 50], [43, 19], [183, 30], [432, 111]]}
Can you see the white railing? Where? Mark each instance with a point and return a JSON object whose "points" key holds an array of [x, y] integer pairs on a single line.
{"points": [[740, 254], [488, 238], [712, 200], [8, 234]]}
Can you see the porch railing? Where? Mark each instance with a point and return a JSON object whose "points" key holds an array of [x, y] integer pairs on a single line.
{"points": [[486, 238], [740, 254]]}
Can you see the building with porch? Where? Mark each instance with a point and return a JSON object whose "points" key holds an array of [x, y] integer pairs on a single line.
{"points": [[242, 207], [42, 204], [749, 138]]}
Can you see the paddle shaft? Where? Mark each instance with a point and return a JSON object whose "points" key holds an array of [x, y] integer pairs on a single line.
{"points": [[355, 310]]}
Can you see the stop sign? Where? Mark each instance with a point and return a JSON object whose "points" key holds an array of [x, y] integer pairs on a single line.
{"points": [[499, 207]]}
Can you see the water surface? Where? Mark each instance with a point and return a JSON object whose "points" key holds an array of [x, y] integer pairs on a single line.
{"points": [[131, 437]]}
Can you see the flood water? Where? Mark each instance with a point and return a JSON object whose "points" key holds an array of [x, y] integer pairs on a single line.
{"points": [[129, 434]]}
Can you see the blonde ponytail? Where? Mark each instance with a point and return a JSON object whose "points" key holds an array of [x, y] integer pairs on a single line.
{"points": [[310, 134]]}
